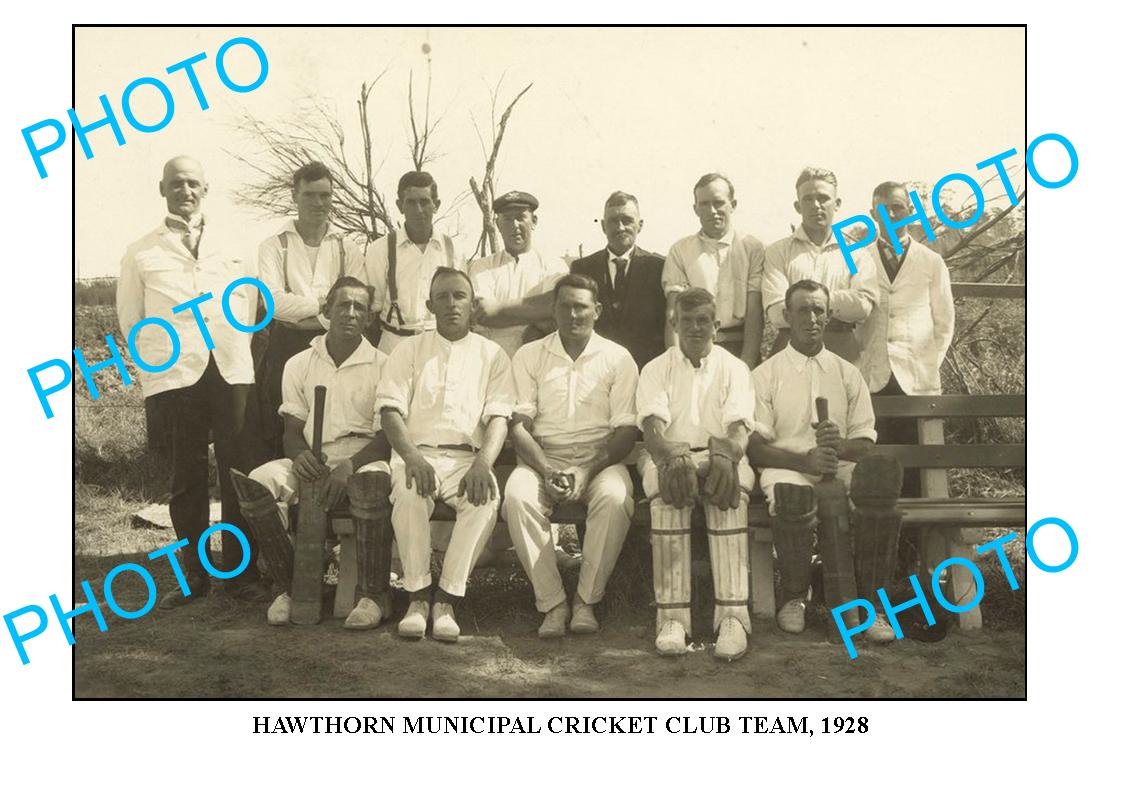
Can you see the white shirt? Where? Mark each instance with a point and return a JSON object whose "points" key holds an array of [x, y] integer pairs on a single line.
{"points": [[695, 403], [787, 385], [158, 273], [795, 257], [575, 402], [414, 269], [300, 276], [729, 267], [909, 331], [504, 278], [447, 390], [349, 404]]}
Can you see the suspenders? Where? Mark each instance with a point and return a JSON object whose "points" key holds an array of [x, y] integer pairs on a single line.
{"points": [[284, 239], [392, 283]]}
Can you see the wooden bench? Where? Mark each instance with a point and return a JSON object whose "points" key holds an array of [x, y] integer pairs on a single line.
{"points": [[948, 526]]}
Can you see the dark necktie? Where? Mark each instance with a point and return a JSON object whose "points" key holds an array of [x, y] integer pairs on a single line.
{"points": [[618, 282], [890, 259]]}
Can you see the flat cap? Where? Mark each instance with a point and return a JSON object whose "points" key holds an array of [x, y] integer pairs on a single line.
{"points": [[514, 199]]}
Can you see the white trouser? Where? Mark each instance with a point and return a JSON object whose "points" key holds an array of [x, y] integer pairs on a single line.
{"points": [[411, 513], [278, 477], [770, 476], [527, 508], [670, 544]]}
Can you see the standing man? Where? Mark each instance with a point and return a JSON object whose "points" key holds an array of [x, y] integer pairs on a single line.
{"points": [[400, 264], [797, 449], [574, 423], [354, 455], [909, 332], [178, 272], [695, 404], [727, 264], [811, 252], [513, 286], [629, 281], [445, 399], [299, 265]]}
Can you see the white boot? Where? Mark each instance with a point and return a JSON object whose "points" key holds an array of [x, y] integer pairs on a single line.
{"points": [[444, 623], [732, 640], [365, 615], [414, 622], [881, 631], [671, 639], [280, 610], [791, 616]]}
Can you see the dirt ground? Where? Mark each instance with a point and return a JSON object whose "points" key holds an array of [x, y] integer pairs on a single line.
{"points": [[221, 648]]}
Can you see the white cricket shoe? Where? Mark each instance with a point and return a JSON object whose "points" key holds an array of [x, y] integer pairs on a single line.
{"points": [[791, 616], [413, 623], [553, 625], [444, 623], [366, 614], [671, 639], [280, 611], [584, 620], [881, 631], [732, 640]]}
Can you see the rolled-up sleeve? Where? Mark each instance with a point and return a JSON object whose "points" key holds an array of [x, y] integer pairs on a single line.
{"points": [[293, 398], [622, 393], [740, 398], [774, 282], [526, 383], [499, 398], [764, 418], [653, 393], [859, 416], [674, 276], [286, 306], [396, 385], [854, 304]]}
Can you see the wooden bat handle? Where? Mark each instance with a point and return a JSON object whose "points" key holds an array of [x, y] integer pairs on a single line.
{"points": [[318, 420], [822, 409]]}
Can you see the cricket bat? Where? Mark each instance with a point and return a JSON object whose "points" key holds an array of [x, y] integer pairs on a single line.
{"points": [[835, 548], [308, 550]]}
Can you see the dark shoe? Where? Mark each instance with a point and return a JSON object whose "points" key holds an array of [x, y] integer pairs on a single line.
{"points": [[252, 592], [200, 587]]}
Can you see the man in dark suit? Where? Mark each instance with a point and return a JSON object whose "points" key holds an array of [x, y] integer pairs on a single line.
{"points": [[629, 280]]}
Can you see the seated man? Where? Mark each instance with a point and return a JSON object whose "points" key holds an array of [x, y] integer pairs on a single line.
{"points": [[445, 401], [695, 404], [797, 449], [574, 423], [354, 455]]}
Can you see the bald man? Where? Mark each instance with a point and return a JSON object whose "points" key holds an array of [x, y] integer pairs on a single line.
{"points": [[179, 272]]}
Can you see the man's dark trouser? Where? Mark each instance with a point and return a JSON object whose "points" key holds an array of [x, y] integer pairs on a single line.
{"points": [[284, 343], [208, 408]]}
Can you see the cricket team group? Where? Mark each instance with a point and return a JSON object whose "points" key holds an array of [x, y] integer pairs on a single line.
{"points": [[433, 362]]}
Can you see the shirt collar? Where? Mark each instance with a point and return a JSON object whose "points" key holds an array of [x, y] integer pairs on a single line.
{"points": [[555, 347], [703, 362], [290, 226], [905, 239], [800, 234], [798, 361], [363, 354], [724, 240], [177, 224], [626, 256], [434, 240]]}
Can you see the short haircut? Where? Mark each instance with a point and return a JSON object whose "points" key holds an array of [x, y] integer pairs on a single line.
{"points": [[882, 191], [714, 176], [810, 173], [579, 282], [693, 298], [444, 271], [345, 282], [310, 172], [620, 198], [808, 285], [418, 179]]}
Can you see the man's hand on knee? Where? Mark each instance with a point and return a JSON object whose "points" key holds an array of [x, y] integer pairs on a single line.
{"points": [[421, 476], [478, 484]]}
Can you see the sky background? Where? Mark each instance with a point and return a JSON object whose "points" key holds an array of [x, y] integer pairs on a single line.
{"points": [[643, 110]]}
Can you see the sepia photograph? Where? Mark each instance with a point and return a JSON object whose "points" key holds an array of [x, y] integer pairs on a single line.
{"points": [[550, 362]]}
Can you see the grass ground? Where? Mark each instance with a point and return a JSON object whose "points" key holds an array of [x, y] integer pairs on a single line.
{"points": [[222, 648]]}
